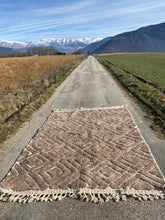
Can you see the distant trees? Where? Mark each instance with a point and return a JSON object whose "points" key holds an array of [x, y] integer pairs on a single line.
{"points": [[42, 51], [18, 53], [34, 51]]}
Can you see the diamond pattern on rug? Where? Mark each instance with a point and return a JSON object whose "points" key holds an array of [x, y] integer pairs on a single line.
{"points": [[86, 149]]}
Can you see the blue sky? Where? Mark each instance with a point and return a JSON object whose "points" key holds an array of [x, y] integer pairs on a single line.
{"points": [[25, 20]]}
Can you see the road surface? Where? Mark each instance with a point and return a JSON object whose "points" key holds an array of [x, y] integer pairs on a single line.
{"points": [[89, 86]]}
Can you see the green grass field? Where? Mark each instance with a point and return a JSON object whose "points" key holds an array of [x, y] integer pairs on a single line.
{"points": [[150, 67]]}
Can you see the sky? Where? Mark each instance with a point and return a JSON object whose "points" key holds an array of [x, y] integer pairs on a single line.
{"points": [[32, 20]]}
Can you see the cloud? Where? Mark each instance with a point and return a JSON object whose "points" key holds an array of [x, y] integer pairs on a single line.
{"points": [[106, 16], [62, 10]]}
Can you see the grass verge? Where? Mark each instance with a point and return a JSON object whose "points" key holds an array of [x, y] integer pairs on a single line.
{"points": [[18, 107], [147, 94]]}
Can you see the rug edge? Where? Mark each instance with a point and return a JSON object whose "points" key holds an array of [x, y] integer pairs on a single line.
{"points": [[149, 149], [94, 195], [86, 194], [89, 109]]}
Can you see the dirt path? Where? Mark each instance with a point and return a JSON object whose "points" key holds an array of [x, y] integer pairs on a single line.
{"points": [[88, 86]]}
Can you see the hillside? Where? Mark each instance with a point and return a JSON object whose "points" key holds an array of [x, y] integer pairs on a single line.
{"points": [[146, 39], [4, 50], [93, 46]]}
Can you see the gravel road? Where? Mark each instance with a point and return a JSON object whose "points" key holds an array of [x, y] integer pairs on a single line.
{"points": [[88, 86]]}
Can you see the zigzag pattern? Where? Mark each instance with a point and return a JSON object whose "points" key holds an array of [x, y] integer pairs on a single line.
{"points": [[87, 148]]}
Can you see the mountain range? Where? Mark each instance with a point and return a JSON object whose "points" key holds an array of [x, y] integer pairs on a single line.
{"points": [[66, 45], [146, 39]]}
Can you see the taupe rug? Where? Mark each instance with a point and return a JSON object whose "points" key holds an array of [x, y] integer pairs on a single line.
{"points": [[91, 154]]}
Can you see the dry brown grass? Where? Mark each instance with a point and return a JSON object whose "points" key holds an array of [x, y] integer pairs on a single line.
{"points": [[31, 93], [16, 73]]}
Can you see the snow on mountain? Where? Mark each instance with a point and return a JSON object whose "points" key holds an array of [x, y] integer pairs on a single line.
{"points": [[67, 45], [88, 40], [12, 44]]}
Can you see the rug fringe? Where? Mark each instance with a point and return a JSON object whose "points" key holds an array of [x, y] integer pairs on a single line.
{"points": [[100, 196], [85, 194], [5, 197]]}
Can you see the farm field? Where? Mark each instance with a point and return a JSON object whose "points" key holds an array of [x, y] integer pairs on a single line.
{"points": [[27, 83], [144, 76], [16, 73], [150, 67]]}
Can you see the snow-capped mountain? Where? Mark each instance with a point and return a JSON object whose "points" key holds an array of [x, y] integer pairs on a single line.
{"points": [[12, 44], [66, 45]]}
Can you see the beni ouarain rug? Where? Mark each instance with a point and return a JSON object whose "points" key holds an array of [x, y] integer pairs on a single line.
{"points": [[90, 154]]}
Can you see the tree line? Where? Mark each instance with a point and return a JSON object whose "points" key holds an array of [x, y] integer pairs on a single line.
{"points": [[34, 51]]}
